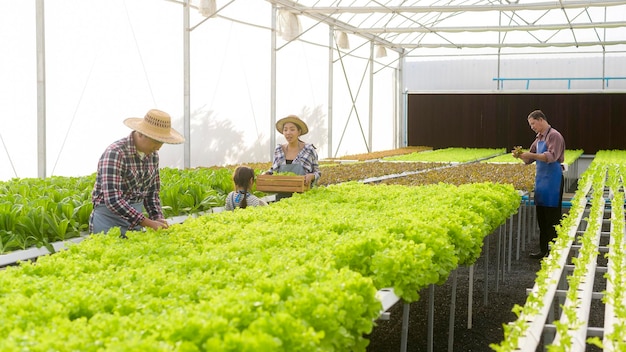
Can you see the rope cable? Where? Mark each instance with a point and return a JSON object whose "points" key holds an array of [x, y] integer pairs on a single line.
{"points": [[219, 76], [243, 70], [353, 98], [8, 155], [308, 71], [80, 99], [132, 30], [256, 127]]}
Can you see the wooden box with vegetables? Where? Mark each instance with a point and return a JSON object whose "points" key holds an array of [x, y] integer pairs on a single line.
{"points": [[281, 183]]}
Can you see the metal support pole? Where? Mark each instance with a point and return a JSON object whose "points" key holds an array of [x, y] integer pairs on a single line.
{"points": [[431, 317], [371, 100], [405, 326], [187, 86], [498, 257], [510, 220], [519, 230], [470, 297], [41, 89], [331, 42], [273, 84], [486, 296], [452, 312]]}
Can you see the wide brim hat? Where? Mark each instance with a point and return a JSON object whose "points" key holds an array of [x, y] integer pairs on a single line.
{"points": [[304, 129], [157, 125]]}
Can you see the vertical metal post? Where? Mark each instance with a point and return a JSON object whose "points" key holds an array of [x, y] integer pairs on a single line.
{"points": [[470, 297], [371, 100], [452, 312], [41, 90], [510, 220], [486, 246], [519, 230], [524, 223], [604, 56], [498, 81], [405, 326], [273, 84], [331, 41], [503, 250], [498, 257], [187, 85], [402, 117], [431, 317]]}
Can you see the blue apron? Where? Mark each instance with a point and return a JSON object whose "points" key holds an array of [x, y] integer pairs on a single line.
{"points": [[547, 181]]}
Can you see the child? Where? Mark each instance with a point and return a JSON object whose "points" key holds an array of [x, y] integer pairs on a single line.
{"points": [[243, 177]]}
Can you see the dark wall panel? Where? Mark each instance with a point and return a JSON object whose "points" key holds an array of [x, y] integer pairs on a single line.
{"points": [[588, 121]]}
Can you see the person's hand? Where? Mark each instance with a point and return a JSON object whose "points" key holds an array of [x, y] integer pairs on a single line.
{"points": [[163, 222], [526, 157], [517, 152], [308, 178], [155, 224]]}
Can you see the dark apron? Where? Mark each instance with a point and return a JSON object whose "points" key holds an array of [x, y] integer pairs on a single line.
{"points": [[295, 168], [547, 181], [104, 219]]}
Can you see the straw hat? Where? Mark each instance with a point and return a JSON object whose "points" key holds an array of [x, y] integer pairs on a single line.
{"points": [[295, 120], [156, 125]]}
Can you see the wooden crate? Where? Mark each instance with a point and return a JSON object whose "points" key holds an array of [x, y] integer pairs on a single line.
{"points": [[281, 184]]}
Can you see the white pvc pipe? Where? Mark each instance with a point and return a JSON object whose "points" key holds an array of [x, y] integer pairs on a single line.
{"points": [[582, 303], [532, 338]]}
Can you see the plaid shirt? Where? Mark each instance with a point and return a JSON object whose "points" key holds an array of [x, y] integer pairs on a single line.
{"points": [[124, 178], [307, 157]]}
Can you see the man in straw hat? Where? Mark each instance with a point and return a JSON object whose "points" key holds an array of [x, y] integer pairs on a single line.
{"points": [[128, 177]]}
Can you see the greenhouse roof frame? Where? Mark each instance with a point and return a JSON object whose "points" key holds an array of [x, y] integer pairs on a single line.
{"points": [[408, 28], [403, 25]]}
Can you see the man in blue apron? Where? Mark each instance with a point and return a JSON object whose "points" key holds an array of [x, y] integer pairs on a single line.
{"points": [[547, 151], [128, 181]]}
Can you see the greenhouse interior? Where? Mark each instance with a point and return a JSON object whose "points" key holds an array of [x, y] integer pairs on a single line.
{"points": [[411, 225]]}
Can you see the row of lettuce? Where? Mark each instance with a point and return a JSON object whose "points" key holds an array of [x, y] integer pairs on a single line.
{"points": [[600, 187], [300, 275], [36, 212]]}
